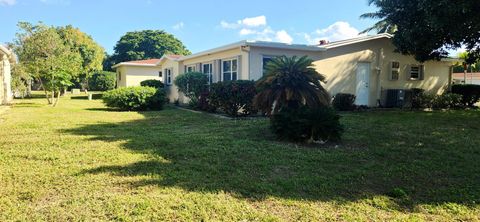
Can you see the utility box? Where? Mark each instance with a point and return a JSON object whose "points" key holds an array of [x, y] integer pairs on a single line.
{"points": [[394, 98]]}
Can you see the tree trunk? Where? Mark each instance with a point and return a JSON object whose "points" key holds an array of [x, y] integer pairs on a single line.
{"points": [[45, 90], [57, 99]]}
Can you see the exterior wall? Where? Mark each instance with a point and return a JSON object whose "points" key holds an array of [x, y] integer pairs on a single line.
{"points": [[237, 53], [172, 90], [121, 77], [133, 75], [339, 67], [215, 59], [338, 64], [6, 95], [257, 54]]}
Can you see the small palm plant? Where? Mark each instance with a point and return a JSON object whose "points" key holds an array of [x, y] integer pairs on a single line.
{"points": [[290, 82]]}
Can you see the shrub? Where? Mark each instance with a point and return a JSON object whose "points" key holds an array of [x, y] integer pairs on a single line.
{"points": [[344, 102], [417, 98], [306, 124], [102, 81], [447, 101], [470, 93], [192, 84], [205, 104], [152, 83], [135, 98], [235, 98]]}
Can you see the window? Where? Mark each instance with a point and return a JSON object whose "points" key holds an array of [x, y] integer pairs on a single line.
{"points": [[208, 70], [265, 61], [416, 72], [190, 68], [394, 70], [160, 74], [229, 69], [168, 76]]}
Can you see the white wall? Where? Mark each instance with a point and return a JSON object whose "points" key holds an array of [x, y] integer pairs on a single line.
{"points": [[133, 75]]}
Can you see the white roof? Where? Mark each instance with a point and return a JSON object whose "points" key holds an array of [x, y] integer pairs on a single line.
{"points": [[275, 45], [278, 45]]}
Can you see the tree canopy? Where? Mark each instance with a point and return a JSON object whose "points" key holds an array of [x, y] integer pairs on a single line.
{"points": [[147, 44], [428, 28], [54, 56], [83, 46]]}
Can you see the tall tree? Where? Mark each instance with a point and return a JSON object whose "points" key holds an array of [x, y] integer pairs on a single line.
{"points": [[90, 52], [147, 44], [428, 28], [43, 53]]}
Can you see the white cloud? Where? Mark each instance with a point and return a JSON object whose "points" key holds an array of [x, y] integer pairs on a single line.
{"points": [[246, 22], [8, 2], [283, 36], [337, 31], [255, 21], [179, 26], [246, 31], [256, 28]]}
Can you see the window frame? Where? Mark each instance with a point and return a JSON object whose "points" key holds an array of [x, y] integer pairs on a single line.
{"points": [[393, 69], [231, 71], [263, 63], [210, 74], [420, 71], [193, 67], [168, 74]]}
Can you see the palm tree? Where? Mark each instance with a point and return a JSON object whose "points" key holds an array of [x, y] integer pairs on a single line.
{"points": [[382, 26], [290, 82]]}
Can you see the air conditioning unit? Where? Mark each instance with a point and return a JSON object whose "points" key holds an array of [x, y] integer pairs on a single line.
{"points": [[394, 98]]}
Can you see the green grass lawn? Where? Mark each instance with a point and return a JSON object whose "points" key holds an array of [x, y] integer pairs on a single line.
{"points": [[80, 161]]}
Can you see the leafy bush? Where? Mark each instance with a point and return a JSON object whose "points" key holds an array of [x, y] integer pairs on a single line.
{"points": [[447, 101], [205, 104], [421, 100], [344, 102], [235, 98], [102, 81], [417, 98], [192, 84], [470, 93], [152, 83], [306, 124], [135, 98]]}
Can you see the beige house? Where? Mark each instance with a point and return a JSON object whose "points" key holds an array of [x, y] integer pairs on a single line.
{"points": [[364, 66], [133, 72], [6, 60]]}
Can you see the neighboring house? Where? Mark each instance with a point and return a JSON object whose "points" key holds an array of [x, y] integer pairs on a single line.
{"points": [[470, 78], [6, 60], [364, 66], [133, 72]]}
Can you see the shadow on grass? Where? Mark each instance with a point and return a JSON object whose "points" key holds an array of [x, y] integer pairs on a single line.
{"points": [[433, 158], [85, 97]]}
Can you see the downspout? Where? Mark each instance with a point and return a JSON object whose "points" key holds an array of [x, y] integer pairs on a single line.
{"points": [[450, 73], [379, 74]]}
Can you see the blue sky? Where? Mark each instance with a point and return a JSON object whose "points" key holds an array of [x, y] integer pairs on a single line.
{"points": [[200, 25]]}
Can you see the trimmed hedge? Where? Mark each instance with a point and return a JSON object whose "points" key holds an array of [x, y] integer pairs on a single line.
{"points": [[344, 102], [135, 98], [152, 83], [102, 81], [192, 84], [305, 124], [235, 98], [470, 93]]}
